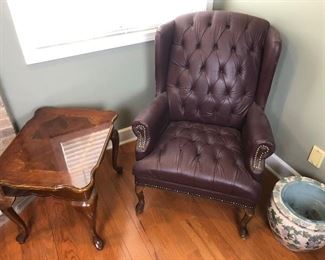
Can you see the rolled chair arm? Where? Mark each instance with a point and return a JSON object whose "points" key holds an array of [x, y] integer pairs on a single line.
{"points": [[149, 125], [258, 141]]}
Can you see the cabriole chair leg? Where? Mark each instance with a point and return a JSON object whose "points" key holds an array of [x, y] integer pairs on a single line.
{"points": [[140, 205], [249, 213]]}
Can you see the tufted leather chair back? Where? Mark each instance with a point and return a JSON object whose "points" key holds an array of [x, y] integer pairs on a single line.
{"points": [[214, 65]]}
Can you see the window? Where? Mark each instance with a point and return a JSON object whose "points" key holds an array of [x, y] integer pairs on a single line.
{"points": [[52, 29]]}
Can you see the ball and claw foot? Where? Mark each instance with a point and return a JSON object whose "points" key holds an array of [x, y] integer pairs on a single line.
{"points": [[21, 238], [243, 233], [98, 242], [249, 213], [139, 207]]}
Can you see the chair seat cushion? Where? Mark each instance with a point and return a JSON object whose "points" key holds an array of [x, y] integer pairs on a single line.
{"points": [[200, 159]]}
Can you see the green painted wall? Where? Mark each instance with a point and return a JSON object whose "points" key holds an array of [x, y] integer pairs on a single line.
{"points": [[296, 107], [120, 79]]}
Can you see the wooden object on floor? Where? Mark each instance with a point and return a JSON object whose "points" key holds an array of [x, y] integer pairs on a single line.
{"points": [[249, 213], [173, 227], [56, 154]]}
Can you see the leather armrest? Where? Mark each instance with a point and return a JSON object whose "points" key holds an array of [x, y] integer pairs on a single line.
{"points": [[149, 125], [257, 140]]}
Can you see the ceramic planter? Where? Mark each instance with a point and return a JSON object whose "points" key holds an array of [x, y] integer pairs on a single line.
{"points": [[297, 213]]}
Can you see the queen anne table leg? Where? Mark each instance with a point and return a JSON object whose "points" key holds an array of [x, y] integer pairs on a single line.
{"points": [[6, 207], [89, 209], [115, 143]]}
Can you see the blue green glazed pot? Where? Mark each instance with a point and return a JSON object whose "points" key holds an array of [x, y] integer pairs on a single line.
{"points": [[297, 213]]}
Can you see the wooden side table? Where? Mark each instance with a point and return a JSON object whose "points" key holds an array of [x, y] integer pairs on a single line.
{"points": [[56, 154]]}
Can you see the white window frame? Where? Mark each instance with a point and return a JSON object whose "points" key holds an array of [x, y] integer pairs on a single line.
{"points": [[58, 51]]}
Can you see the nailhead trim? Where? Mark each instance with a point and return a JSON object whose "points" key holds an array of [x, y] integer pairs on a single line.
{"points": [[143, 139], [196, 194], [258, 156]]}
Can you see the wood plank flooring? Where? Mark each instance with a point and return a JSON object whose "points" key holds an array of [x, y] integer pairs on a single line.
{"points": [[173, 226]]}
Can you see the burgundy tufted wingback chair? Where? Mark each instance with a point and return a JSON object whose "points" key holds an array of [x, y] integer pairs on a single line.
{"points": [[205, 133]]}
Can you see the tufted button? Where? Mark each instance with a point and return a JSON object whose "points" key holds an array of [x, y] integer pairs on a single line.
{"points": [[218, 155], [227, 91], [177, 83], [238, 163], [225, 54]]}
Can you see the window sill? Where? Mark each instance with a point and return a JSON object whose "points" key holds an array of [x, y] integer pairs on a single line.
{"points": [[33, 55]]}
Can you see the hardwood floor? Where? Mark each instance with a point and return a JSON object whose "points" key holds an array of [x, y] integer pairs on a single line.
{"points": [[173, 226]]}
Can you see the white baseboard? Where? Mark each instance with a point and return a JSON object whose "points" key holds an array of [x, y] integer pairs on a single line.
{"points": [[126, 136], [279, 167], [19, 205]]}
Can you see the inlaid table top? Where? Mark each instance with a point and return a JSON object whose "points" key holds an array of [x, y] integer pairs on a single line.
{"points": [[56, 154], [58, 148]]}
